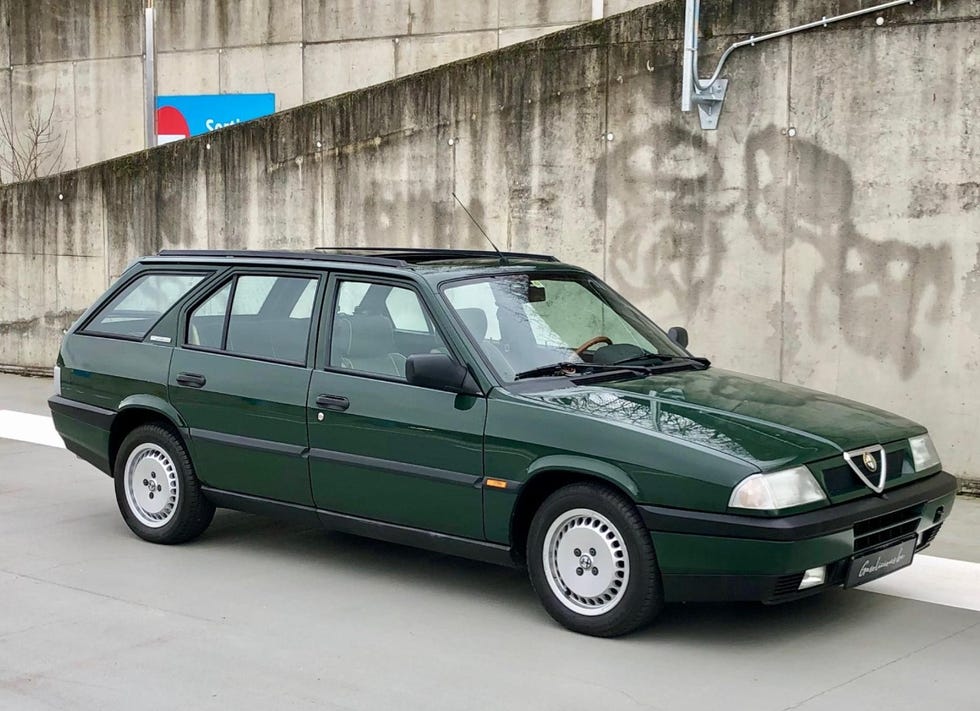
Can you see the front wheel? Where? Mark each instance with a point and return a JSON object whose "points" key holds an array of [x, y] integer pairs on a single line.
{"points": [[157, 491], [592, 563]]}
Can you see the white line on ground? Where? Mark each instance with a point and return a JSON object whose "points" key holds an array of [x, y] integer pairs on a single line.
{"points": [[23, 427], [941, 581]]}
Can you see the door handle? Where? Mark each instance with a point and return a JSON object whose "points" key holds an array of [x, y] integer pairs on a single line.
{"points": [[191, 380], [333, 402]]}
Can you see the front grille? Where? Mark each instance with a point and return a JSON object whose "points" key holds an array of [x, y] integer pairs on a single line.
{"points": [[888, 527], [787, 585], [842, 480], [928, 536]]}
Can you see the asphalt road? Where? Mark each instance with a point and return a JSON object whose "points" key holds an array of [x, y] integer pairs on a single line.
{"points": [[258, 614]]}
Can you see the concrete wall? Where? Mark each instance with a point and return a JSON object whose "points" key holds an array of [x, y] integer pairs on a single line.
{"points": [[828, 234], [85, 57]]}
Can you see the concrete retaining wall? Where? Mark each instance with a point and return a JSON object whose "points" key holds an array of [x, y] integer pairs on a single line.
{"points": [[828, 234], [85, 57]]}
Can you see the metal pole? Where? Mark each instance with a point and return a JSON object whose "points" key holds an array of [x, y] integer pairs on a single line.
{"points": [[692, 11], [150, 77], [822, 22]]}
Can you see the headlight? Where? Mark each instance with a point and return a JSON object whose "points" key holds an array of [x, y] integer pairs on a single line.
{"points": [[924, 454], [779, 490]]}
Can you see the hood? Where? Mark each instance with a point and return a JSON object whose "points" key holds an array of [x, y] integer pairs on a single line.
{"points": [[767, 423]]}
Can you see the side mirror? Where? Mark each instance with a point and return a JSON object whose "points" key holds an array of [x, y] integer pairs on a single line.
{"points": [[440, 372], [678, 334]]}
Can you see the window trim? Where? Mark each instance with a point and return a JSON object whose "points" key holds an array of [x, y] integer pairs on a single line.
{"points": [[329, 314], [319, 275], [83, 329]]}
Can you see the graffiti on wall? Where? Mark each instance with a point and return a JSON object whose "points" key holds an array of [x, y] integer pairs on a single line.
{"points": [[668, 238], [669, 222], [878, 289]]}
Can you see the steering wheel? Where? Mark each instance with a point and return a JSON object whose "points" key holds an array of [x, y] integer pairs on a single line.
{"points": [[592, 342]]}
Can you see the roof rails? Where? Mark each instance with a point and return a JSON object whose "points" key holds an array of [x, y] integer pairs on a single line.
{"points": [[382, 256], [280, 254], [416, 255]]}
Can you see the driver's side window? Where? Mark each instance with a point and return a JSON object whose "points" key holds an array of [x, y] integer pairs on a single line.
{"points": [[376, 327]]}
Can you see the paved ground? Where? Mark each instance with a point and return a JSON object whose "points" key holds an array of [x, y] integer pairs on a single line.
{"points": [[259, 614]]}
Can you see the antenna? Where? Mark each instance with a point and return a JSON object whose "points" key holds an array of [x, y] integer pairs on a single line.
{"points": [[503, 259]]}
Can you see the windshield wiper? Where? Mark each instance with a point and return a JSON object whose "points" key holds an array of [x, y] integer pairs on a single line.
{"points": [[567, 368], [665, 357]]}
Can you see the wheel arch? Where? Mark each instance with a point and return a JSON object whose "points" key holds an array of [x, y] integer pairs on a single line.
{"points": [[549, 474], [140, 410]]}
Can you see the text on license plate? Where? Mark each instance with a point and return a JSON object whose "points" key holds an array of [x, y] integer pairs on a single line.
{"points": [[868, 567]]}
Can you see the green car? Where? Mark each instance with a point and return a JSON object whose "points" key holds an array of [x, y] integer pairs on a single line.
{"points": [[498, 406]]}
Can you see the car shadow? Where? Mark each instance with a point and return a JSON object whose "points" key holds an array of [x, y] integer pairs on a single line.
{"points": [[731, 625]]}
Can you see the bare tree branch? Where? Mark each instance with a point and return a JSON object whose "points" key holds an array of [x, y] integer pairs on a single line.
{"points": [[34, 152]]}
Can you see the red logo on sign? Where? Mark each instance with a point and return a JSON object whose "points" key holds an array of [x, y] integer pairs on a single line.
{"points": [[171, 125]]}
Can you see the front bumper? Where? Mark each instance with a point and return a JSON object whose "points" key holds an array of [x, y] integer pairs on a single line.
{"points": [[713, 557]]}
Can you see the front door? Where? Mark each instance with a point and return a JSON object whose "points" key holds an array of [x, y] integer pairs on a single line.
{"points": [[240, 380], [380, 448]]}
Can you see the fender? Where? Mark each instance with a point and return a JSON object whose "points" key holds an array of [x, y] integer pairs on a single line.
{"points": [[154, 403], [584, 465]]}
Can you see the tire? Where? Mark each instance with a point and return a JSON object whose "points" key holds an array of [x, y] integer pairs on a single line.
{"points": [[592, 562], [157, 491]]}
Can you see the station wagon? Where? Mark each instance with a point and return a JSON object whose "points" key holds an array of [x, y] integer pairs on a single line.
{"points": [[499, 406]]}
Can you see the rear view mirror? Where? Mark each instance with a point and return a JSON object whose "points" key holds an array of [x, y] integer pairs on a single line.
{"points": [[678, 334], [440, 372], [536, 294]]}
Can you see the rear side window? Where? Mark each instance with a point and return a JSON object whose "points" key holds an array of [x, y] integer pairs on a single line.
{"points": [[270, 318], [135, 310]]}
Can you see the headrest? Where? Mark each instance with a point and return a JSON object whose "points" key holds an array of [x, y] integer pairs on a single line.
{"points": [[475, 321], [370, 336]]}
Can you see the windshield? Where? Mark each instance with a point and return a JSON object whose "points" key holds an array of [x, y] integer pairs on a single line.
{"points": [[522, 322]]}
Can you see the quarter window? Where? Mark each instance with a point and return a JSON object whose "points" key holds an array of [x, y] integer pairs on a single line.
{"points": [[135, 310], [207, 322]]}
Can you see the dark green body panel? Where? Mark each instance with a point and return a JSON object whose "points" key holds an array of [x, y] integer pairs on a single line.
{"points": [[263, 407], [435, 433], [106, 373], [523, 431], [780, 424]]}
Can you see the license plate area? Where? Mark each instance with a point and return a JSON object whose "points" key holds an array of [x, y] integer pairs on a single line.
{"points": [[866, 567]]}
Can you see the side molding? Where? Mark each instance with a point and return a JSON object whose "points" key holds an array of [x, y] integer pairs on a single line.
{"points": [[585, 465], [473, 549]]}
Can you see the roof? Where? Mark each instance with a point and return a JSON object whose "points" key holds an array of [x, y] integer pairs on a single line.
{"points": [[432, 261]]}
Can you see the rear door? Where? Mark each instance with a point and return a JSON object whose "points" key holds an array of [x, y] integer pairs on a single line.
{"points": [[240, 379], [380, 448]]}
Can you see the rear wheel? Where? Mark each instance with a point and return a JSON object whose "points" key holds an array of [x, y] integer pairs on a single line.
{"points": [[592, 562], [157, 491]]}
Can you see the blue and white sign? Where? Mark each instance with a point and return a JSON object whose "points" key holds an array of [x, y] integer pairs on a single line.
{"points": [[180, 117]]}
